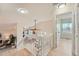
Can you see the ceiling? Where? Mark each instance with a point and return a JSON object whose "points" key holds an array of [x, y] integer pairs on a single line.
{"points": [[8, 12], [9, 15]]}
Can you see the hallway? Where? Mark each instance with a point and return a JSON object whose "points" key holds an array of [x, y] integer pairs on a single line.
{"points": [[63, 49]]}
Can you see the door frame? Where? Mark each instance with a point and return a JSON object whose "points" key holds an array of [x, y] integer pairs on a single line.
{"points": [[73, 29]]}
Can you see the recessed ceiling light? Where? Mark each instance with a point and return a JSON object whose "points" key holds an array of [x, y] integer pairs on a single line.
{"points": [[22, 10], [61, 5]]}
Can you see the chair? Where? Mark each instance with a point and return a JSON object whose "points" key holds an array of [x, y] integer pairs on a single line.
{"points": [[0, 43]]}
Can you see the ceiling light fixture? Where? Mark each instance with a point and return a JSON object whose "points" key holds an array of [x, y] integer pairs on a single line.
{"points": [[34, 29], [23, 10], [61, 5]]}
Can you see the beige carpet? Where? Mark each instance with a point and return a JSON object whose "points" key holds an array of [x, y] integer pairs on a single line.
{"points": [[14, 52]]}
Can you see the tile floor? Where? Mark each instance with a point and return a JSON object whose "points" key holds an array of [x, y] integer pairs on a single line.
{"points": [[64, 48], [14, 52]]}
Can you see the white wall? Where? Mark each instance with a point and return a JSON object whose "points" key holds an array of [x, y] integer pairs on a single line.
{"points": [[77, 31], [7, 29]]}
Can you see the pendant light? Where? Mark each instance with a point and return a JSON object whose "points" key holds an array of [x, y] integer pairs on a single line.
{"points": [[34, 29]]}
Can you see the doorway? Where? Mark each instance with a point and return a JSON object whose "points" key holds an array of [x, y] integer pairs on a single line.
{"points": [[65, 33]]}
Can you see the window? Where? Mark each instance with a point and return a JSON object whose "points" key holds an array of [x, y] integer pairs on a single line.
{"points": [[66, 25]]}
